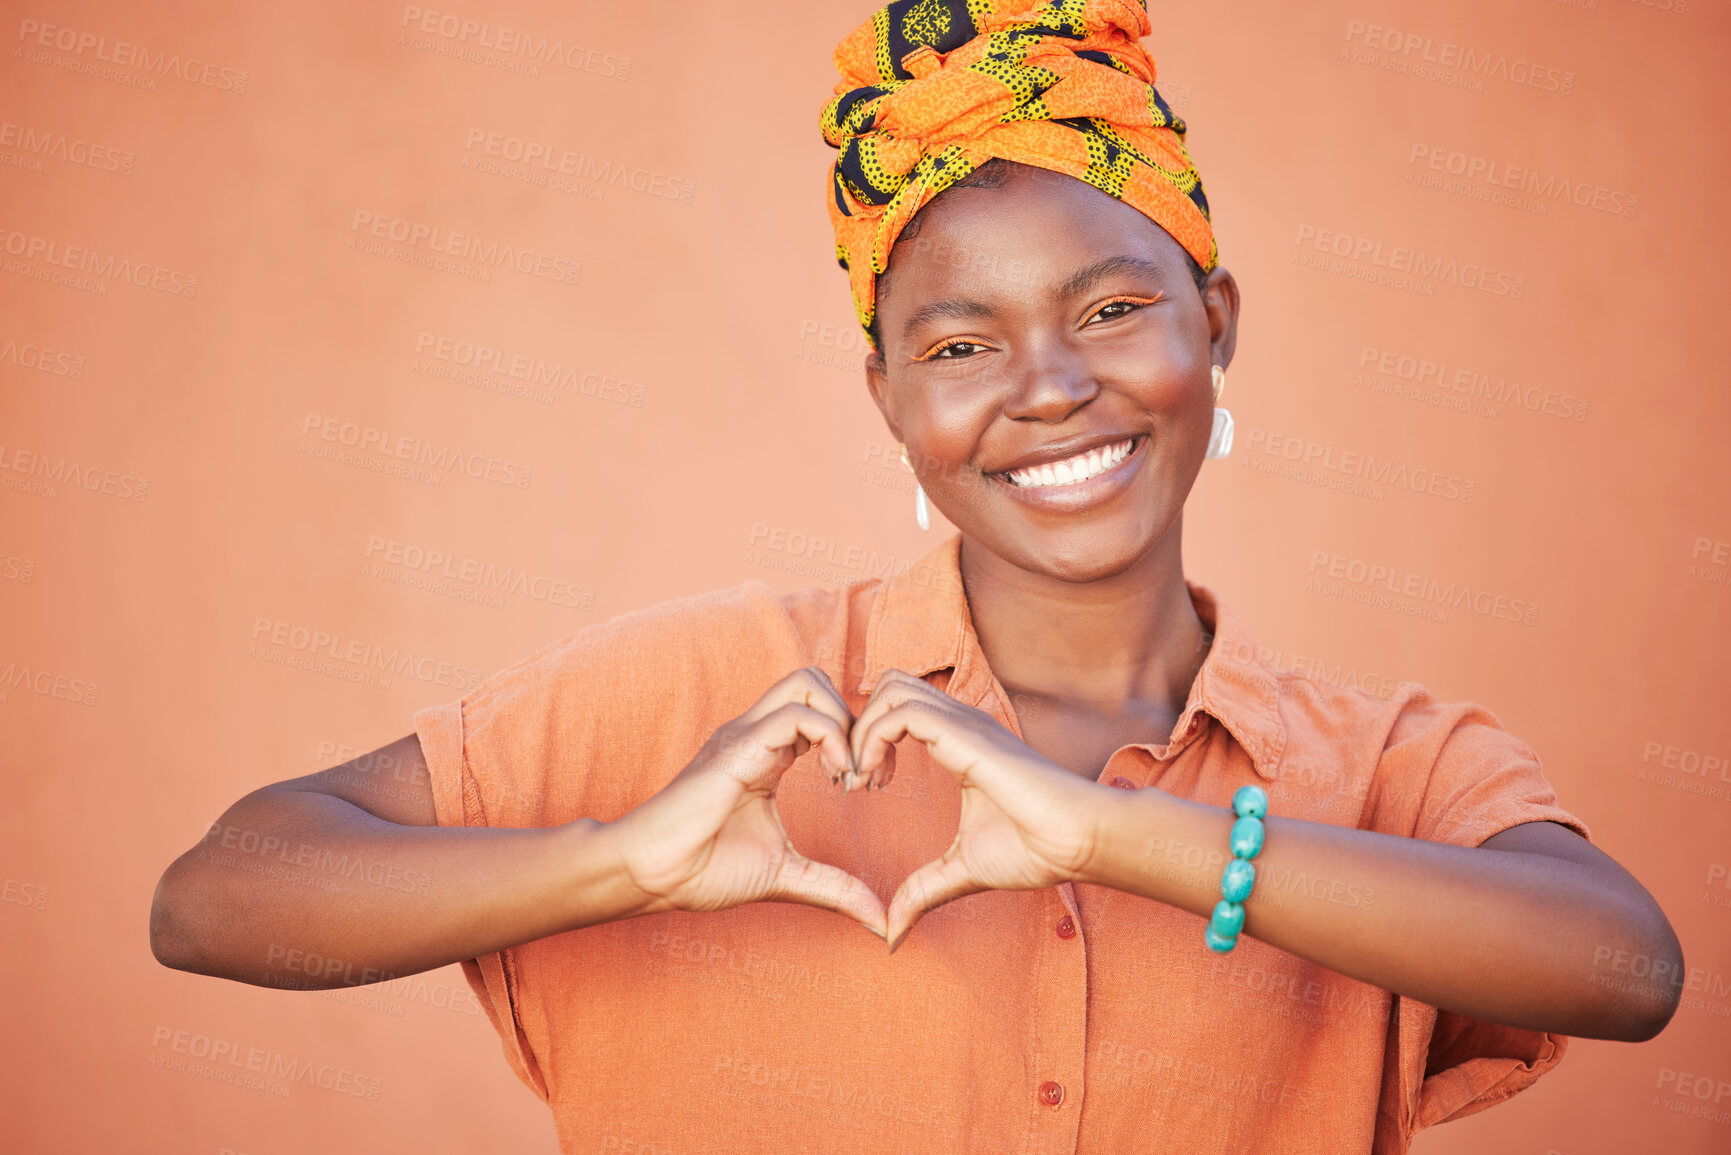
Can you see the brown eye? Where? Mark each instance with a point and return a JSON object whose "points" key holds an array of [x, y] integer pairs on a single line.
{"points": [[1112, 310], [1121, 307], [953, 351]]}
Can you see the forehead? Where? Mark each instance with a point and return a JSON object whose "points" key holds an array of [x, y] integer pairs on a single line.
{"points": [[1026, 236]]}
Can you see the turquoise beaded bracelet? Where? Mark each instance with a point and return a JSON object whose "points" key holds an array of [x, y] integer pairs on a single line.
{"points": [[1250, 803]]}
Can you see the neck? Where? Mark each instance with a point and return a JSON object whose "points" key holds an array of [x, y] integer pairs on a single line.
{"points": [[1130, 638]]}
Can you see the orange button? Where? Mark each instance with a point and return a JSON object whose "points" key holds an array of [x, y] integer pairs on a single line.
{"points": [[1066, 927], [1123, 784], [1051, 1093]]}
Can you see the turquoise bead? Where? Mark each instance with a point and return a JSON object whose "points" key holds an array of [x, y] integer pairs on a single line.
{"points": [[1236, 881], [1219, 942], [1228, 919], [1247, 837], [1250, 802]]}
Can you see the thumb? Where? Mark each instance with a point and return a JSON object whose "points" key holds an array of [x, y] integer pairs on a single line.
{"points": [[796, 878], [939, 881]]}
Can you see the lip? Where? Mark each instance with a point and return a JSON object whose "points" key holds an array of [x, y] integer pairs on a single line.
{"points": [[1081, 494], [1062, 450]]}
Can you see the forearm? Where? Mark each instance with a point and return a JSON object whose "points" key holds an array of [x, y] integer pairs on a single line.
{"points": [[300, 889], [1511, 938]]}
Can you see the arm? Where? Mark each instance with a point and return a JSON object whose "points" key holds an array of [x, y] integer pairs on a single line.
{"points": [[348, 865], [286, 869], [1522, 931]]}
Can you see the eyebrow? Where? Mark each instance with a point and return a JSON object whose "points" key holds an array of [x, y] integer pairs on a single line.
{"points": [[961, 309], [1086, 277], [1075, 284]]}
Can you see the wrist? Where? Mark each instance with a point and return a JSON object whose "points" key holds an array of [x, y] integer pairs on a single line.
{"points": [[1157, 845], [600, 886]]}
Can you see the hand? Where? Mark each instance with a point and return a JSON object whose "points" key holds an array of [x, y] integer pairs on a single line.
{"points": [[1025, 822], [713, 839]]}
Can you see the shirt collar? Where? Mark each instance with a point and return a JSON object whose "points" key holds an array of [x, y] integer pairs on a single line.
{"points": [[920, 624]]}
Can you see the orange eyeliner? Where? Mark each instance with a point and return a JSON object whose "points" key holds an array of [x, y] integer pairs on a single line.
{"points": [[1129, 299]]}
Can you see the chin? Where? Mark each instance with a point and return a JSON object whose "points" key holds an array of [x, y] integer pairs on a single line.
{"points": [[1097, 549]]}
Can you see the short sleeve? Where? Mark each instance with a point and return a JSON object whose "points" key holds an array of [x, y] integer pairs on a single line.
{"points": [[1463, 778], [591, 727], [1483, 780]]}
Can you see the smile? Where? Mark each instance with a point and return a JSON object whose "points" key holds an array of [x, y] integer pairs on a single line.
{"points": [[1072, 470]]}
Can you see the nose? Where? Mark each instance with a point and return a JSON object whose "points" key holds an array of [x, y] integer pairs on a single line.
{"points": [[1050, 385]]}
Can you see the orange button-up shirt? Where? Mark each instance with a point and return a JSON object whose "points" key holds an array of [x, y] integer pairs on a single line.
{"points": [[1074, 1018]]}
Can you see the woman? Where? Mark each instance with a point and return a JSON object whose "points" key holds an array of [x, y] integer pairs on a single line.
{"points": [[1036, 744]]}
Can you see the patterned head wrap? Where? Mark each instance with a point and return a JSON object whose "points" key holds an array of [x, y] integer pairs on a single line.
{"points": [[932, 89]]}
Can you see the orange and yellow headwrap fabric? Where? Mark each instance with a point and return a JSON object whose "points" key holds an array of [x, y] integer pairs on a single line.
{"points": [[932, 89]]}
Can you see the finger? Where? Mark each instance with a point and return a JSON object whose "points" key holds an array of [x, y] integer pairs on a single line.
{"points": [[876, 778], [937, 882], [753, 754], [894, 689], [886, 769], [807, 686], [933, 725], [799, 879]]}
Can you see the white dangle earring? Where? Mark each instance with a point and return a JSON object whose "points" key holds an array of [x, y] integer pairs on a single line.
{"points": [[1220, 440], [922, 512]]}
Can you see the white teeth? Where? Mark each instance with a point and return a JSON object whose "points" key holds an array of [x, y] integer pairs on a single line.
{"points": [[1072, 470]]}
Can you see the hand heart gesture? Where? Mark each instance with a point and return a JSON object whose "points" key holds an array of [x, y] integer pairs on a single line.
{"points": [[713, 838], [1026, 823]]}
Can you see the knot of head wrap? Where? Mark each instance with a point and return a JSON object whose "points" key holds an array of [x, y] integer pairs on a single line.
{"points": [[932, 89]]}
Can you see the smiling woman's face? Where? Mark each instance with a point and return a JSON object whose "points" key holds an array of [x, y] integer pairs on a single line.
{"points": [[1046, 359]]}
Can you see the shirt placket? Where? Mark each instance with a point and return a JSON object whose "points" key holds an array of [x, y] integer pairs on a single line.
{"points": [[1057, 1042]]}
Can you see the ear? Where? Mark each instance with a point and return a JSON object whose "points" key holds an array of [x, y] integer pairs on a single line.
{"points": [[1221, 301], [877, 384]]}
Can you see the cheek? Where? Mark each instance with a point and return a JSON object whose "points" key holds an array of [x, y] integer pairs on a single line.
{"points": [[944, 423]]}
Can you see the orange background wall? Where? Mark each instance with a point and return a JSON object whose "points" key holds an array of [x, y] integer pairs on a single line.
{"points": [[708, 419]]}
